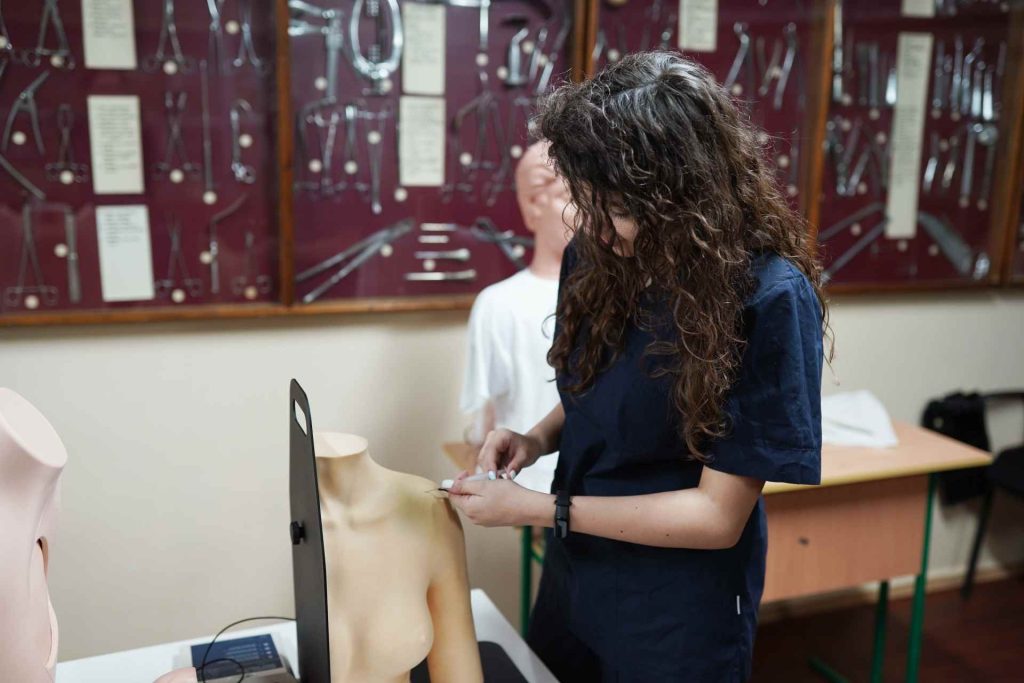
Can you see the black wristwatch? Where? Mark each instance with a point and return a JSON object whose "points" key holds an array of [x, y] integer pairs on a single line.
{"points": [[562, 503]]}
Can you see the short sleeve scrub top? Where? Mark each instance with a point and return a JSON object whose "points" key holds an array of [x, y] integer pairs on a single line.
{"points": [[609, 610]]}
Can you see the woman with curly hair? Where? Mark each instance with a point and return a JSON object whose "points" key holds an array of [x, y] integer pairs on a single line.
{"points": [[688, 356]]}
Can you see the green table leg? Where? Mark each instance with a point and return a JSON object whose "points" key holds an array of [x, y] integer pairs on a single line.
{"points": [[827, 672], [525, 577], [881, 616], [917, 609]]}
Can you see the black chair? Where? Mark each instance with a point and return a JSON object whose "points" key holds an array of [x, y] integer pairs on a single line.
{"points": [[962, 417]]}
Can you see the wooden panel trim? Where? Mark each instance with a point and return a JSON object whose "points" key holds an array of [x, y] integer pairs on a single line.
{"points": [[1007, 205], [818, 98]]}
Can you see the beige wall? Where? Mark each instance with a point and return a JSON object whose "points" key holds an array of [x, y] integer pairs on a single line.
{"points": [[175, 495]]}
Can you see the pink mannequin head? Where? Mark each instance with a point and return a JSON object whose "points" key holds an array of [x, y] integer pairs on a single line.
{"points": [[546, 207], [31, 460]]}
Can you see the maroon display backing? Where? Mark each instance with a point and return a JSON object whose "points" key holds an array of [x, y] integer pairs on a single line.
{"points": [[891, 262], [161, 196], [327, 225]]}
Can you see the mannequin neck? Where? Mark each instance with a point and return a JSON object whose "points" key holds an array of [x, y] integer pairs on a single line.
{"points": [[547, 257], [346, 474]]}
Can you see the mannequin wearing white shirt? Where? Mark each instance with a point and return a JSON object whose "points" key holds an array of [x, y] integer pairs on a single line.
{"points": [[508, 382]]}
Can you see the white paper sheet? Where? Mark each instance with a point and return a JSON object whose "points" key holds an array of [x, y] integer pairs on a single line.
{"points": [[421, 141], [115, 139], [423, 58], [913, 69], [698, 25], [126, 257], [856, 418], [108, 29], [918, 8]]}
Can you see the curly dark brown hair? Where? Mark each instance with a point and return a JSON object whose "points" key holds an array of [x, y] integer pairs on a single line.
{"points": [[656, 139]]}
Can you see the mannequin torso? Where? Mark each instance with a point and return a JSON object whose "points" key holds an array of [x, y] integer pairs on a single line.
{"points": [[396, 571]]}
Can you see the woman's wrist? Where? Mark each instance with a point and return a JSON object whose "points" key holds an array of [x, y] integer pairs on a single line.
{"points": [[539, 442], [540, 510]]}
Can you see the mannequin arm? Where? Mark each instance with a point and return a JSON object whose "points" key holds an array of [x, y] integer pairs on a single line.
{"points": [[454, 657]]}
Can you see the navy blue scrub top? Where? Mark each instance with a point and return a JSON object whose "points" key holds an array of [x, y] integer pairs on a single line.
{"points": [[681, 614]]}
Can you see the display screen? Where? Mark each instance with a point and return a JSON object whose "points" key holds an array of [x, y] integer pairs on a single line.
{"points": [[255, 653]]}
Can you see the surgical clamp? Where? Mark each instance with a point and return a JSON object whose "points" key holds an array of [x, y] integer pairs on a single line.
{"points": [[743, 60], [176, 267], [214, 248], [60, 57], [787, 65], [29, 259], [26, 102], [21, 179], [175, 60], [375, 69], [65, 169], [250, 284], [216, 46], [247, 46], [244, 173], [355, 255], [174, 146]]}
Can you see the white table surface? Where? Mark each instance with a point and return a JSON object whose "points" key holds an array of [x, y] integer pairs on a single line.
{"points": [[146, 664]]}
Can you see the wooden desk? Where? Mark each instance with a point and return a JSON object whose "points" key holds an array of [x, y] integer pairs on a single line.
{"points": [[869, 520]]}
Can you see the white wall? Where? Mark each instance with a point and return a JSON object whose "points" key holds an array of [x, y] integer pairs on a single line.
{"points": [[175, 496]]}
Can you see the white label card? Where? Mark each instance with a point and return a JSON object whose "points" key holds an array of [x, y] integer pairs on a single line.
{"points": [[115, 139], [913, 70], [108, 29], [421, 141], [918, 8], [126, 257], [423, 58], [698, 25]]}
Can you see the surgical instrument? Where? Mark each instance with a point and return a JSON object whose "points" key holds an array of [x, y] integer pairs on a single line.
{"points": [[5, 36], [355, 255], [932, 164], [435, 276], [838, 61], [967, 173], [514, 76], [552, 56], [247, 45], [209, 191], [834, 229], [742, 61], [216, 40], [174, 145], [372, 66], [375, 153], [949, 242], [60, 57], [174, 60], [450, 255], [65, 169], [857, 247], [71, 254], [20, 292], [21, 179], [244, 173], [213, 251], [177, 281], [787, 65], [988, 136], [250, 284], [511, 245], [26, 103]]}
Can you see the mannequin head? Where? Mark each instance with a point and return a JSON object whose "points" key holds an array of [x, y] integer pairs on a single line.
{"points": [[31, 460], [544, 202]]}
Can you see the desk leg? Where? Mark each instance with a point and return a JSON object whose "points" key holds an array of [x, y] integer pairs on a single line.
{"points": [[525, 577], [917, 609], [881, 616]]}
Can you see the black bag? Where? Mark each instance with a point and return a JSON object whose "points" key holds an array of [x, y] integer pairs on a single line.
{"points": [[962, 417]]}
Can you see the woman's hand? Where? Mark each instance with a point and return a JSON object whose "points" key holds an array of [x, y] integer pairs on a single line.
{"points": [[501, 502], [508, 451]]}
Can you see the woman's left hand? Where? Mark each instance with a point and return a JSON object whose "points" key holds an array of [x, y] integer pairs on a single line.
{"points": [[500, 502]]}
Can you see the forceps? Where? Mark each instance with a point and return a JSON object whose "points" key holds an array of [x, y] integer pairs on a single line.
{"points": [[65, 169], [174, 106], [175, 60], [176, 264], [29, 259], [250, 284], [26, 102], [61, 57], [356, 255], [244, 173], [247, 47]]}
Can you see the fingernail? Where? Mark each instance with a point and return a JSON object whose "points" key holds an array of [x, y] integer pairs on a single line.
{"points": [[491, 475], [511, 474]]}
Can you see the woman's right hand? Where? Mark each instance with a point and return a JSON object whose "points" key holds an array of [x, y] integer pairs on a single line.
{"points": [[510, 451]]}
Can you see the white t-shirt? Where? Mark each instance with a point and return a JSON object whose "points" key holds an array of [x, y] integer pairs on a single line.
{"points": [[510, 331]]}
